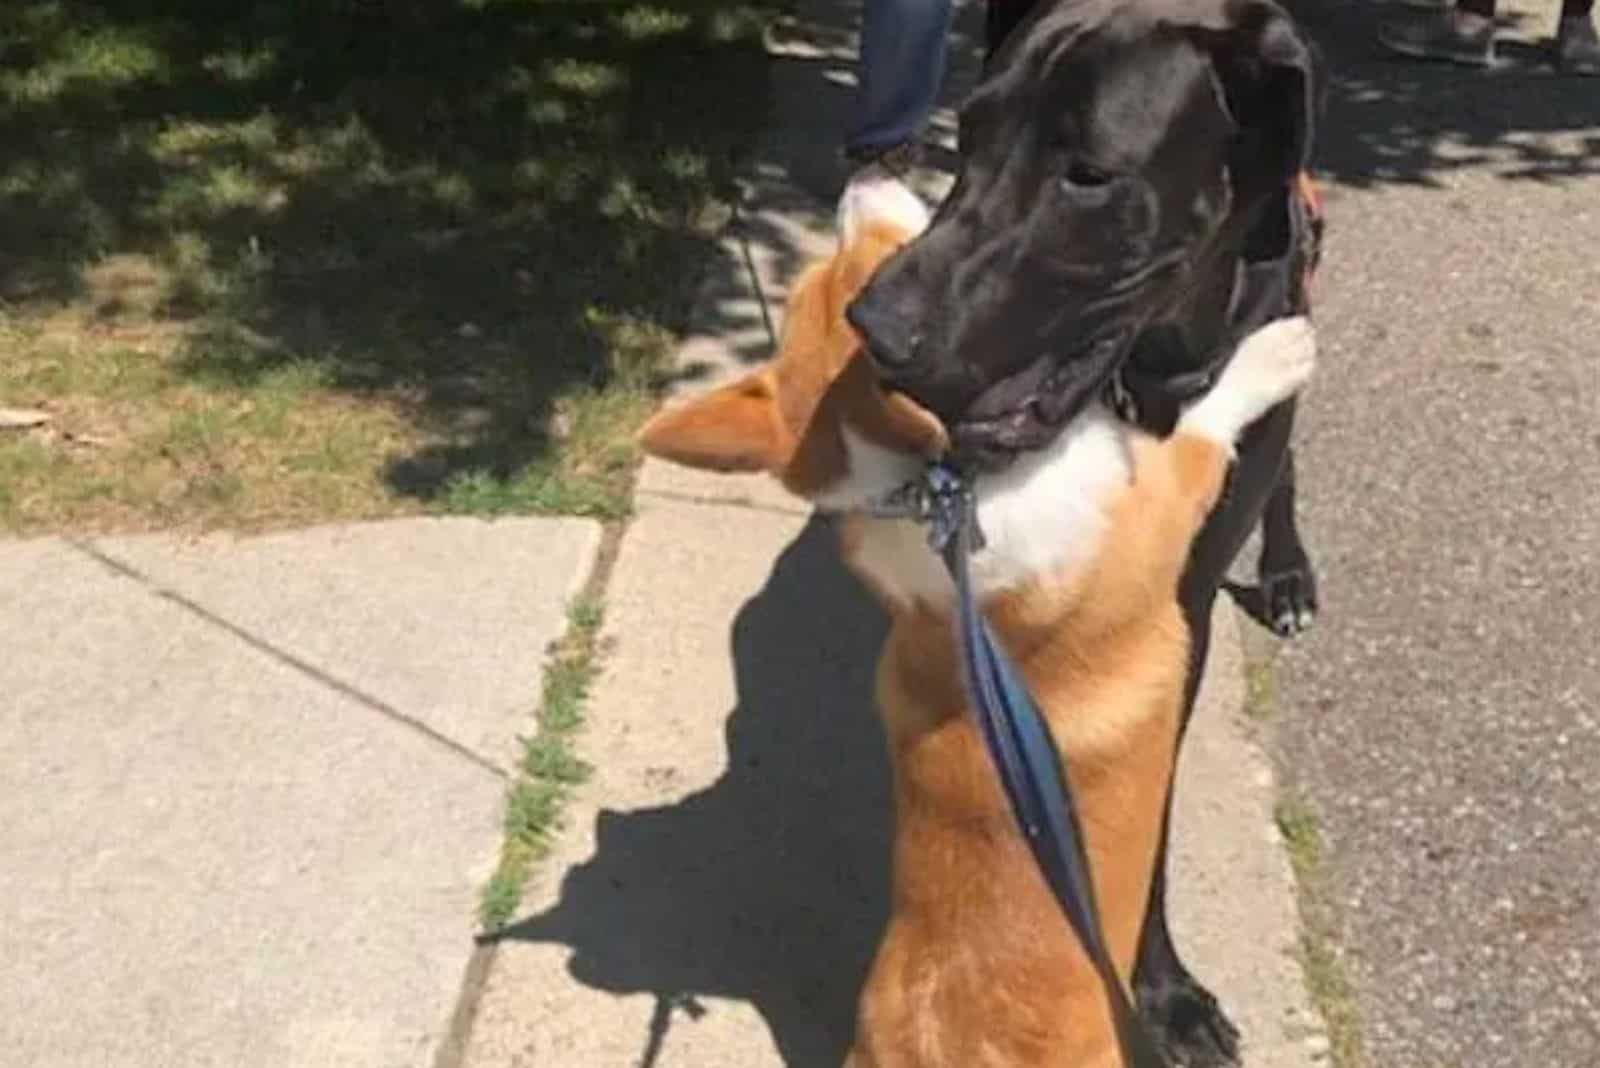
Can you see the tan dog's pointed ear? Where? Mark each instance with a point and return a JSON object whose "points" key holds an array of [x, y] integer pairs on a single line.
{"points": [[736, 427]]}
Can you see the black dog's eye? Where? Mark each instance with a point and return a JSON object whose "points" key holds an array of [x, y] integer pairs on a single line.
{"points": [[1086, 175]]}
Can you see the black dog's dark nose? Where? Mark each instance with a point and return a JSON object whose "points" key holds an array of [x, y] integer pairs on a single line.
{"points": [[892, 339]]}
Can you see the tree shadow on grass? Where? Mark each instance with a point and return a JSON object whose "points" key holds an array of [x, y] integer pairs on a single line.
{"points": [[475, 209]]}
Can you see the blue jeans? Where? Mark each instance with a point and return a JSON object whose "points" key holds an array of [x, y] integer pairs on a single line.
{"points": [[903, 46]]}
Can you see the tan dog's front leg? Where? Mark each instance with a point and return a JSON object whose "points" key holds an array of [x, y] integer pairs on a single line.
{"points": [[1270, 366]]}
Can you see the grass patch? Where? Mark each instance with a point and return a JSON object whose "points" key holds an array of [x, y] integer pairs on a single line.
{"points": [[1260, 690], [269, 261], [550, 768], [1329, 987], [1302, 836]]}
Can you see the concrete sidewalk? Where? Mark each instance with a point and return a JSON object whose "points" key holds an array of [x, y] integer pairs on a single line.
{"points": [[250, 788], [719, 892]]}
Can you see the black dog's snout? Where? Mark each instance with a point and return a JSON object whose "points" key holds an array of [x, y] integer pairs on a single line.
{"points": [[892, 339]]}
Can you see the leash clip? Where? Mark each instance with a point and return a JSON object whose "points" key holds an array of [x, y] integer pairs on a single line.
{"points": [[939, 499], [951, 507], [1121, 398]]}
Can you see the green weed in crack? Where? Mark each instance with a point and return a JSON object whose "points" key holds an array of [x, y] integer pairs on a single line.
{"points": [[550, 767]]}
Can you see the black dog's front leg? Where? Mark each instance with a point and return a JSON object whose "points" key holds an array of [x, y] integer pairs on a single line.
{"points": [[1185, 1018], [1288, 584]]}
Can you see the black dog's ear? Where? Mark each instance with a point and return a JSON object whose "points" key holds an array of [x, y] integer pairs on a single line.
{"points": [[1268, 75]]}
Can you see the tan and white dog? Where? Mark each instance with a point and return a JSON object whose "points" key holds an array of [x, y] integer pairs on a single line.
{"points": [[1085, 543]]}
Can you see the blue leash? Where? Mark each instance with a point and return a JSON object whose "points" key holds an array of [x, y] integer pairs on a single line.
{"points": [[1019, 743]]}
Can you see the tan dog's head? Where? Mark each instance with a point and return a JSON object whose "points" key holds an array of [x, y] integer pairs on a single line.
{"points": [[814, 416]]}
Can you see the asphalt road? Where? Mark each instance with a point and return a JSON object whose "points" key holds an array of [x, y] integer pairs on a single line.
{"points": [[1444, 718]]}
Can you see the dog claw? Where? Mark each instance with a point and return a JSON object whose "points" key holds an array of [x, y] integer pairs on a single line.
{"points": [[1290, 600], [1191, 1028]]}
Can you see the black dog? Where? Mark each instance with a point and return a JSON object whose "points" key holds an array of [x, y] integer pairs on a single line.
{"points": [[1127, 210]]}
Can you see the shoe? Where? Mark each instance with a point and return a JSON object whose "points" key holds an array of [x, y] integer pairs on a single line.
{"points": [[1578, 46], [893, 161], [1449, 35]]}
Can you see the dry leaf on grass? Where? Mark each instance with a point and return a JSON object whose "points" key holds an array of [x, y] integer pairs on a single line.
{"points": [[22, 418]]}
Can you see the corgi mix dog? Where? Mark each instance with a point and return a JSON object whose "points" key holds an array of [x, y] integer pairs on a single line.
{"points": [[1085, 541]]}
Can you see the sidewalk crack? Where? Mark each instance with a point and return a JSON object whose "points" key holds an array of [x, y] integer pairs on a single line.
{"points": [[286, 658], [709, 501]]}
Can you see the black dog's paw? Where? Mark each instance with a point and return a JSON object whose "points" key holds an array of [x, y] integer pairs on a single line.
{"points": [[1289, 600], [1189, 1026]]}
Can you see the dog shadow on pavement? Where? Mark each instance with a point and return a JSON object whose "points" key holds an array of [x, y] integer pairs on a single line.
{"points": [[771, 885]]}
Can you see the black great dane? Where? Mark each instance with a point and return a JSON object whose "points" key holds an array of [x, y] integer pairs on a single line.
{"points": [[1131, 202]]}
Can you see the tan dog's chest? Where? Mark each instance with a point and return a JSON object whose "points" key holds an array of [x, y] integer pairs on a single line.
{"points": [[978, 966]]}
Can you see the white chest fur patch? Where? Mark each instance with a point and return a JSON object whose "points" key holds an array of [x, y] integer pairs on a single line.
{"points": [[1043, 515], [874, 471]]}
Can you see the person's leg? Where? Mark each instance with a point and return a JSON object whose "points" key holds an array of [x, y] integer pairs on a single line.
{"points": [[1462, 34], [1577, 43], [902, 61]]}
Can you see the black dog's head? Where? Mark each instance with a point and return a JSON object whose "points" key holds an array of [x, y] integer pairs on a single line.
{"points": [[1115, 158]]}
